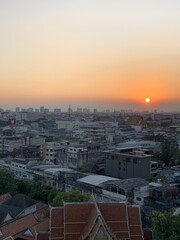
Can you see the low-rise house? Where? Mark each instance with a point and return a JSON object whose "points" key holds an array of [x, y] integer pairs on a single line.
{"points": [[133, 190], [165, 193], [53, 175], [17, 206], [24, 228], [108, 189]]}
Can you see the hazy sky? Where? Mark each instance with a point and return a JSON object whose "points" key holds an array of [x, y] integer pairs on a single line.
{"points": [[109, 53]]}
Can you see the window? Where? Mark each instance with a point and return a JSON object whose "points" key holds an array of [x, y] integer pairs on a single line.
{"points": [[138, 199], [135, 161]]}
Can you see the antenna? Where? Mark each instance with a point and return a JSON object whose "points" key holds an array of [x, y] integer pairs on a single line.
{"points": [[69, 110]]}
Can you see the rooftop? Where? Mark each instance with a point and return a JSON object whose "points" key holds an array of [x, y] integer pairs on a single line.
{"points": [[130, 183], [96, 180]]}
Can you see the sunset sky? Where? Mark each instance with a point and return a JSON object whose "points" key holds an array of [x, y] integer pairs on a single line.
{"points": [[93, 53]]}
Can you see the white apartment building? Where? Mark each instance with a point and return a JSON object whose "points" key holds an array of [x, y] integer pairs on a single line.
{"points": [[19, 168], [76, 156]]}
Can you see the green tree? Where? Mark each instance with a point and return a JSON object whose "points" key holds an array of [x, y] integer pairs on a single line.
{"points": [[23, 186], [72, 196], [166, 226], [166, 155], [7, 182], [52, 194], [39, 191]]}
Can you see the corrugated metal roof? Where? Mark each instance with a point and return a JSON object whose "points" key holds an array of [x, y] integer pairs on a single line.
{"points": [[96, 180]]}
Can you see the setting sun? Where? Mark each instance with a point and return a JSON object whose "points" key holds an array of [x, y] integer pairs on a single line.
{"points": [[147, 100]]}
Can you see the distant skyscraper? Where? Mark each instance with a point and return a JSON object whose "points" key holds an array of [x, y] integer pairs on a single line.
{"points": [[17, 109], [30, 110], [79, 110], [46, 110], [86, 110], [41, 109], [57, 110]]}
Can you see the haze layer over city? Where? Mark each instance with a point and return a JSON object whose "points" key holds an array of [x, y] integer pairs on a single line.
{"points": [[97, 54]]}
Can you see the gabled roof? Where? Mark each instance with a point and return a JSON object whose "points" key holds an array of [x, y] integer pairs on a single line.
{"points": [[15, 206], [83, 221], [16, 226], [31, 232], [21, 201], [28, 226], [42, 236], [5, 216], [39, 227], [9, 238], [5, 209]]}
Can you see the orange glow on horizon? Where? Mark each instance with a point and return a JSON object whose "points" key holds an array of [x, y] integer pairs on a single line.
{"points": [[64, 55]]}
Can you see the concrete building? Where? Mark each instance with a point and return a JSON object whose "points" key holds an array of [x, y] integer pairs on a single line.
{"points": [[28, 116], [153, 146], [76, 156], [67, 125], [35, 141], [49, 151], [57, 110], [9, 144], [127, 163], [19, 168], [133, 190]]}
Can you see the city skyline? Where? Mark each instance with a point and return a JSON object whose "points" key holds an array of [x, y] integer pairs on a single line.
{"points": [[96, 54]]}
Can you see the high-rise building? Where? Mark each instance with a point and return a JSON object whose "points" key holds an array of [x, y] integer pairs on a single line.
{"points": [[41, 109], [17, 109]]}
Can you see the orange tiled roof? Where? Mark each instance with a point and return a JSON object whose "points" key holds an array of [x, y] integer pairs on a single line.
{"points": [[77, 221], [5, 197], [14, 227], [42, 236]]}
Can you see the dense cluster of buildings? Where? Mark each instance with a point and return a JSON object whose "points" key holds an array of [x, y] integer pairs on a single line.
{"points": [[112, 156]]}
